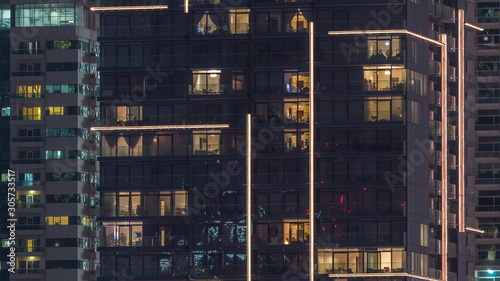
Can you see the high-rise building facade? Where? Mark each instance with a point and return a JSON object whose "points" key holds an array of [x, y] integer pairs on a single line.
{"points": [[265, 140], [487, 182], [53, 78], [5, 136]]}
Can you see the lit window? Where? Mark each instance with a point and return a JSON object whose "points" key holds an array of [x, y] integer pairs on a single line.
{"points": [[61, 45], [57, 14], [296, 111], [383, 48], [208, 24], [5, 111], [239, 21], [57, 220], [206, 82], [296, 82], [5, 18], [384, 78], [29, 91], [296, 22], [206, 142], [55, 110], [30, 113]]}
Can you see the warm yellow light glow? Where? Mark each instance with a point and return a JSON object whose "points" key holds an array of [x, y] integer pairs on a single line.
{"points": [[186, 6], [472, 229], [249, 196], [388, 31], [128, 8], [444, 156], [352, 275], [473, 26], [312, 261], [160, 127], [461, 122]]}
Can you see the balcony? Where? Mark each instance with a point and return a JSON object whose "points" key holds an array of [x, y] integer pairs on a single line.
{"points": [[27, 73], [434, 246], [452, 162], [354, 268], [435, 127], [165, 271], [270, 210], [27, 117], [435, 186], [435, 157], [34, 271], [30, 227], [141, 211], [472, 222], [28, 139], [29, 183], [435, 216], [434, 68], [392, 208], [29, 249], [471, 138], [180, 150], [452, 220], [471, 196], [360, 239], [25, 205], [441, 11], [452, 250], [28, 52], [452, 191], [144, 241], [28, 161], [434, 97], [452, 134]]}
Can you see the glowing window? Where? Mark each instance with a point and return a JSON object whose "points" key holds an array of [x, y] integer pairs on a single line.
{"points": [[57, 220], [55, 110]]}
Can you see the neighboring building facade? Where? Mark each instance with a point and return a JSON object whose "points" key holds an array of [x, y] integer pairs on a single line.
{"points": [[388, 178], [487, 128], [53, 78], [5, 129]]}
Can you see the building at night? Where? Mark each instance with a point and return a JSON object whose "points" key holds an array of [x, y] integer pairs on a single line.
{"points": [[487, 182], [53, 76], [266, 140], [5, 129]]}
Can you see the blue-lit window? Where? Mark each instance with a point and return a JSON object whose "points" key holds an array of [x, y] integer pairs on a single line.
{"points": [[5, 111], [45, 15], [5, 17]]}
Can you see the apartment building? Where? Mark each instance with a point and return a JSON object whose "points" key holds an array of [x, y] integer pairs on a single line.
{"points": [[265, 140]]}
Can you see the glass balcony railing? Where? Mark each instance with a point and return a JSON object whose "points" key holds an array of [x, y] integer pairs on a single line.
{"points": [[360, 239], [360, 146], [173, 240], [165, 270], [30, 205], [144, 241], [30, 226], [29, 183], [138, 151], [30, 271], [29, 249], [26, 117], [348, 268], [28, 139], [395, 115], [363, 208], [139, 210]]}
